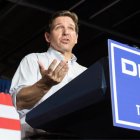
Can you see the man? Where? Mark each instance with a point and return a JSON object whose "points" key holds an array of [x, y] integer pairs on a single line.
{"points": [[40, 75]]}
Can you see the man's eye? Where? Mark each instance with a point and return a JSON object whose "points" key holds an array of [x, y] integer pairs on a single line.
{"points": [[71, 28], [58, 27]]}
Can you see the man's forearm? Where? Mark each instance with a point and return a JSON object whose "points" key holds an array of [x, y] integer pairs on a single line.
{"points": [[29, 96]]}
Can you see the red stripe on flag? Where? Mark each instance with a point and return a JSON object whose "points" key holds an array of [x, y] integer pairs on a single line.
{"points": [[12, 124], [5, 99]]}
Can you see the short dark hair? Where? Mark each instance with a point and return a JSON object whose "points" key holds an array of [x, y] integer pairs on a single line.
{"points": [[72, 15]]}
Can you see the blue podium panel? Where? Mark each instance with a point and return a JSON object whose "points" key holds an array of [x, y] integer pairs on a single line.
{"points": [[124, 66]]}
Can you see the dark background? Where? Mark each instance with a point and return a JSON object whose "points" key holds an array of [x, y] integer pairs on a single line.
{"points": [[22, 24]]}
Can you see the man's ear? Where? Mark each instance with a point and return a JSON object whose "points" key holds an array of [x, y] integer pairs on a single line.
{"points": [[47, 37], [76, 39]]}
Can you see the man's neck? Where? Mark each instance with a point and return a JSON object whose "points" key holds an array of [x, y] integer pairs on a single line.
{"points": [[67, 56]]}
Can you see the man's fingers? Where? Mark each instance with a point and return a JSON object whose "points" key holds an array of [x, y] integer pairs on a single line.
{"points": [[62, 72], [41, 67], [60, 66], [52, 66], [54, 74]]}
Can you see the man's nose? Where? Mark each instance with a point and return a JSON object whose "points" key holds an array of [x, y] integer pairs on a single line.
{"points": [[65, 31]]}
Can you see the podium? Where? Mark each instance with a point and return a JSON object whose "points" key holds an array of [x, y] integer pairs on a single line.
{"points": [[82, 108]]}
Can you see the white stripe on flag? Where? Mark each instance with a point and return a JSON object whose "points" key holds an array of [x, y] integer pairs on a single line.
{"points": [[10, 134], [8, 112]]}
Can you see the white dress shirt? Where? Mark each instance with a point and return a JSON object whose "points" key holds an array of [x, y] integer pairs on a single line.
{"points": [[28, 73]]}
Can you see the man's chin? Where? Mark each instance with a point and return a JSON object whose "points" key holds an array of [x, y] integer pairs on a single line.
{"points": [[66, 49]]}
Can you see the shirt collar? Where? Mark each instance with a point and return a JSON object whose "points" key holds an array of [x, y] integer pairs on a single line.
{"points": [[57, 55]]}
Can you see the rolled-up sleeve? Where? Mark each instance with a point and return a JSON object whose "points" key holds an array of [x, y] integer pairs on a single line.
{"points": [[25, 75]]}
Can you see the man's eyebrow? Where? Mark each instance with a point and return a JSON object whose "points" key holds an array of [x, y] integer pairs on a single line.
{"points": [[72, 24], [62, 23], [54, 25]]}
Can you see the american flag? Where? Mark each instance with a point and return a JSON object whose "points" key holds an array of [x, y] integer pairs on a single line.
{"points": [[9, 119]]}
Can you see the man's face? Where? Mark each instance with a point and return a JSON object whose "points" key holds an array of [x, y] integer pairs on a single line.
{"points": [[63, 36]]}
